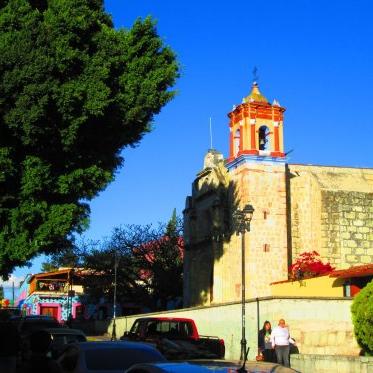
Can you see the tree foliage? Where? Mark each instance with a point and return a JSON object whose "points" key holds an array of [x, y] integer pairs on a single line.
{"points": [[70, 257], [149, 264], [362, 318], [73, 93], [160, 261], [308, 264]]}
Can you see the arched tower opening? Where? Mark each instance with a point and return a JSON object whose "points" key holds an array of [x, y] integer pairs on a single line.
{"points": [[264, 140], [237, 139]]}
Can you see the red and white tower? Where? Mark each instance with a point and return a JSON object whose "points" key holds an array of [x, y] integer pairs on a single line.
{"points": [[257, 169], [256, 127]]}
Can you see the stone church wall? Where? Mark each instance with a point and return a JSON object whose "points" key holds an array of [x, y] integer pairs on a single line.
{"points": [[297, 208], [347, 227], [331, 211]]}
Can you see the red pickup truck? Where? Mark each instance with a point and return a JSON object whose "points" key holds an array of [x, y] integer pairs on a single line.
{"points": [[177, 338]]}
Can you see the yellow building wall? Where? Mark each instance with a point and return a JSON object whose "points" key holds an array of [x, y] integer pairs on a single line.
{"points": [[323, 286]]}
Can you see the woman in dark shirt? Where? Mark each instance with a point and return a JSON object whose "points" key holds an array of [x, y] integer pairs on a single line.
{"points": [[264, 343]]}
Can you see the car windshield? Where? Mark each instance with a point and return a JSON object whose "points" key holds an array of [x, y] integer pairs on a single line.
{"points": [[167, 328], [119, 358]]}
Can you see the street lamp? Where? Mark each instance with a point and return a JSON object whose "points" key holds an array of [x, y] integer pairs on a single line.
{"points": [[114, 330], [242, 219]]}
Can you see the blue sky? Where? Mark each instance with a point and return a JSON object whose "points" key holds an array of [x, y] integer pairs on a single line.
{"points": [[315, 57]]}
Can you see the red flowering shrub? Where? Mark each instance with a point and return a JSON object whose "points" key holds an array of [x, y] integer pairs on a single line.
{"points": [[308, 264]]}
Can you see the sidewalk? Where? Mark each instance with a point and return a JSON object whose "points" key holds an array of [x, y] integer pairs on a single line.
{"points": [[96, 338]]}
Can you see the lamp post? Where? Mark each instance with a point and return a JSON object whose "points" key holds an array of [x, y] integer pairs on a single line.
{"points": [[242, 219], [114, 330]]}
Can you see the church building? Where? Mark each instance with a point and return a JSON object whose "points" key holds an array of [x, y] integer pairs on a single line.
{"points": [[298, 208]]}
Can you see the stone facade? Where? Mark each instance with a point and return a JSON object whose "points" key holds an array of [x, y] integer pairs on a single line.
{"points": [[331, 212], [263, 184], [331, 363], [207, 230], [297, 208]]}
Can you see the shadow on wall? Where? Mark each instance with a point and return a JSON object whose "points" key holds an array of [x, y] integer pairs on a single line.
{"points": [[289, 176], [208, 225]]}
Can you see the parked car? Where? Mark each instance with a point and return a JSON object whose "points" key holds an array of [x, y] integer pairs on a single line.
{"points": [[28, 324], [62, 337], [176, 338], [8, 312], [106, 357], [211, 366]]}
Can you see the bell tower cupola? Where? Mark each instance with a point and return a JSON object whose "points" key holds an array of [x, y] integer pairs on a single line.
{"points": [[256, 128]]}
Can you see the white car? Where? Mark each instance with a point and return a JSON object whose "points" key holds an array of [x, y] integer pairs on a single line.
{"points": [[106, 357]]}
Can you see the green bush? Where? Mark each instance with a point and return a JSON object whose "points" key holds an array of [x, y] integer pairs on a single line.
{"points": [[362, 318]]}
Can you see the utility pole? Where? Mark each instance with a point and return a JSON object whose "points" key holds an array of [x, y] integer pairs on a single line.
{"points": [[114, 330], [242, 220]]}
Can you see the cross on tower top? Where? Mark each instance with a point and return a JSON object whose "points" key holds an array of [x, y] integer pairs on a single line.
{"points": [[255, 75]]}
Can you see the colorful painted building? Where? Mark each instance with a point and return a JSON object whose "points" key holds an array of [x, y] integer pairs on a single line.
{"points": [[58, 294]]}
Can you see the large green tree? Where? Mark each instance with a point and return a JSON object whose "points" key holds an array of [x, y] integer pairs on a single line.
{"points": [[362, 318], [73, 93]]}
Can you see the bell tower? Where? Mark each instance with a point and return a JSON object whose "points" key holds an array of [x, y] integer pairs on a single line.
{"points": [[257, 168], [256, 127], [254, 172]]}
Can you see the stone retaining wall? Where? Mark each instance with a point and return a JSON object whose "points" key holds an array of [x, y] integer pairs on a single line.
{"points": [[319, 325], [332, 363]]}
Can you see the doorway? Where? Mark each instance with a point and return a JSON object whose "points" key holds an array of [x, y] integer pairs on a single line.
{"points": [[49, 311]]}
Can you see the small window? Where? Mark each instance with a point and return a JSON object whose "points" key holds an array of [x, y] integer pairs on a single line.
{"points": [[135, 330], [186, 329], [153, 328]]}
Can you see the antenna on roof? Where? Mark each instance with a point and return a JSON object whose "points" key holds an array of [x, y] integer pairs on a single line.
{"points": [[290, 151], [210, 135]]}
